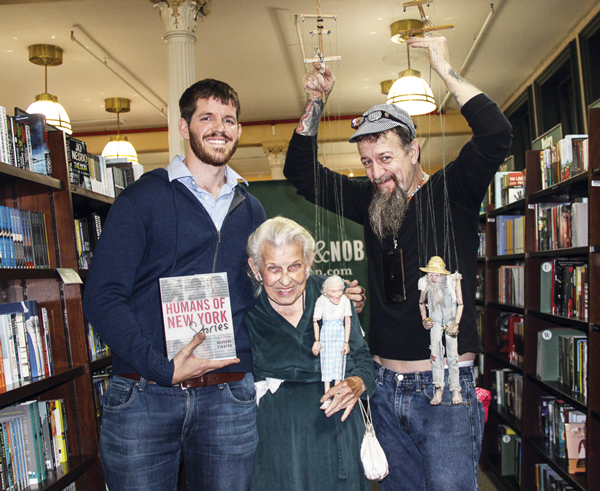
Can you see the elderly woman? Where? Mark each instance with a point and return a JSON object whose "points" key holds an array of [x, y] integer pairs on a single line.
{"points": [[300, 446]]}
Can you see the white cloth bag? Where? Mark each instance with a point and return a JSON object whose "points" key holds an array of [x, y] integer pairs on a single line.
{"points": [[372, 455]]}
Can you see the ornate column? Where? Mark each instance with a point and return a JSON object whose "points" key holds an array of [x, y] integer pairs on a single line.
{"points": [[179, 21], [276, 152]]}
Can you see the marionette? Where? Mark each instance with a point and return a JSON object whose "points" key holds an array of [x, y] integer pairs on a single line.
{"points": [[441, 305], [332, 339]]}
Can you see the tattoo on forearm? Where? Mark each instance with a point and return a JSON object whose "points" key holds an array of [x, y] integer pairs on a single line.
{"points": [[460, 80], [309, 122]]}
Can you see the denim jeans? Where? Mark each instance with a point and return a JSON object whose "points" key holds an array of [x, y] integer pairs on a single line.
{"points": [[433, 448], [147, 427]]}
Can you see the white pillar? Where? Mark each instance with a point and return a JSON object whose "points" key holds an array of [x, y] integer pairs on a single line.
{"points": [[179, 22], [276, 153]]}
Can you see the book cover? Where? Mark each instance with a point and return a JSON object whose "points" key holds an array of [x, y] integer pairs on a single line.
{"points": [[506, 448], [79, 170], [198, 303], [38, 142], [576, 443]]}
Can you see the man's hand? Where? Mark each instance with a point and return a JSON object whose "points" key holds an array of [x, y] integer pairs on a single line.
{"points": [[356, 294], [428, 323], [315, 83], [345, 395], [188, 366]]}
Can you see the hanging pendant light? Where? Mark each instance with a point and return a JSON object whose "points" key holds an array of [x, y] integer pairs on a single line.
{"points": [[119, 147], [410, 92], [47, 104]]}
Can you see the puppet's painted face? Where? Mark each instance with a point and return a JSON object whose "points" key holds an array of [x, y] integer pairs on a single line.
{"points": [[435, 277], [334, 293], [284, 271]]}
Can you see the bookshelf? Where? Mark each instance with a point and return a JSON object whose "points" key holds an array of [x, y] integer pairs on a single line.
{"points": [[58, 200], [535, 448]]}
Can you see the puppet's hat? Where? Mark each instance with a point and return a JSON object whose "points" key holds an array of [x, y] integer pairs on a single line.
{"points": [[436, 265]]}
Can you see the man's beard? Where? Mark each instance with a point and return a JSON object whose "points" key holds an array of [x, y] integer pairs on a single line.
{"points": [[217, 157], [387, 209]]}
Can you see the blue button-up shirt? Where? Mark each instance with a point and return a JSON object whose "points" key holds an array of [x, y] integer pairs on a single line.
{"points": [[217, 209]]}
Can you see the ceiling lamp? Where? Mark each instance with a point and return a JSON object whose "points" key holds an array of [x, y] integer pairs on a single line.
{"points": [[410, 91], [119, 147], [47, 104]]}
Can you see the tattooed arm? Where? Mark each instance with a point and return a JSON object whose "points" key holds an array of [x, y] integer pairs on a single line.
{"points": [[437, 47], [315, 84]]}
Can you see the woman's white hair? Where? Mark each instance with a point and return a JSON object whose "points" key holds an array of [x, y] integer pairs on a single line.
{"points": [[332, 281], [279, 231]]}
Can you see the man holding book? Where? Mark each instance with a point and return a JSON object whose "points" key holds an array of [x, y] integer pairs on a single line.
{"points": [[408, 217], [191, 218]]}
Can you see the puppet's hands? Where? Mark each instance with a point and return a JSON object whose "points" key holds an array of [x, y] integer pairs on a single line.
{"points": [[346, 349], [356, 294], [316, 348], [188, 366], [428, 323], [315, 83], [452, 329], [345, 395]]}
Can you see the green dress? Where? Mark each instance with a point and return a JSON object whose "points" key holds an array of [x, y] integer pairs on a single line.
{"points": [[299, 448]]}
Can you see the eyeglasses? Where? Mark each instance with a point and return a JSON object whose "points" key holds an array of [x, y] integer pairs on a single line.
{"points": [[375, 116]]}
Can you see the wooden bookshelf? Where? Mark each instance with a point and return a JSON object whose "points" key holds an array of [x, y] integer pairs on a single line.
{"points": [[535, 448], [72, 381]]}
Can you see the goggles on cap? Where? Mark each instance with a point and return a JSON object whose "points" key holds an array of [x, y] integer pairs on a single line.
{"points": [[375, 116]]}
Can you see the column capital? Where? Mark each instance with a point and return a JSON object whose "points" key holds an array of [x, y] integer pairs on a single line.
{"points": [[179, 16], [275, 148]]}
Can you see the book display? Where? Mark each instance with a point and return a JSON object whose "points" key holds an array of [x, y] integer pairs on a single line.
{"points": [[44, 340], [542, 325]]}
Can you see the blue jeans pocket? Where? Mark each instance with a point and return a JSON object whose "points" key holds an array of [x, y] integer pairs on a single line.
{"points": [[243, 391], [120, 394]]}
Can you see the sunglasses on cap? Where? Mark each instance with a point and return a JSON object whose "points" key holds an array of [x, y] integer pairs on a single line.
{"points": [[375, 116]]}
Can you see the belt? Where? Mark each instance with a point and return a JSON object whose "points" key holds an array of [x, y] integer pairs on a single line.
{"points": [[202, 381]]}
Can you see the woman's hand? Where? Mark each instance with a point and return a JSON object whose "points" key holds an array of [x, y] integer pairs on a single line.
{"points": [[316, 348], [344, 396]]}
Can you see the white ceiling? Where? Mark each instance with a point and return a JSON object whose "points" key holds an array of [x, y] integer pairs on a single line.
{"points": [[254, 46]]}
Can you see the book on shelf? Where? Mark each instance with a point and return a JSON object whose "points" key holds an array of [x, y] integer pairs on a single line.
{"points": [[194, 304], [23, 239], [510, 234], [548, 351], [37, 142], [511, 284], [576, 446], [507, 450], [24, 342], [96, 347], [564, 160], [562, 225], [79, 168]]}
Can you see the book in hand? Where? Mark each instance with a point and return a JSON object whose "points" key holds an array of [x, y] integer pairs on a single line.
{"points": [[198, 303]]}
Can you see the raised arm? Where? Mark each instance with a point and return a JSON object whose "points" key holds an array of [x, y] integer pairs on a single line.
{"points": [[437, 47], [315, 84]]}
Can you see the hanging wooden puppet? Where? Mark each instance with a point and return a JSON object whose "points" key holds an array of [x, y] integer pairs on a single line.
{"points": [[332, 339], [441, 305]]}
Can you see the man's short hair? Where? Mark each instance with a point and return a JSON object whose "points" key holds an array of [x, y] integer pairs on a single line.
{"points": [[206, 89]]}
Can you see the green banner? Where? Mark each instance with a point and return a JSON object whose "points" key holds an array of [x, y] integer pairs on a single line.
{"points": [[340, 242]]}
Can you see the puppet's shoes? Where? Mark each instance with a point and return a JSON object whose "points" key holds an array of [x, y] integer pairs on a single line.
{"points": [[456, 397], [437, 397]]}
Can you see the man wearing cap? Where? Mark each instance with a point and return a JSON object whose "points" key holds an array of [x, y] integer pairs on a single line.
{"points": [[408, 217]]}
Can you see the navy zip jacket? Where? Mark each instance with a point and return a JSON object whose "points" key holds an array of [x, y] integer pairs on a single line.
{"points": [[156, 229]]}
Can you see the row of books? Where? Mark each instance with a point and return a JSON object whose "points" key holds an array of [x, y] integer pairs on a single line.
{"points": [[33, 441], [511, 284], [566, 159], [507, 390], [510, 234], [562, 355], [509, 449], [561, 226], [100, 380], [23, 239], [510, 337], [564, 288], [96, 347], [508, 187], [481, 247], [25, 348], [480, 282], [24, 141], [87, 232], [564, 428], [547, 479]]}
